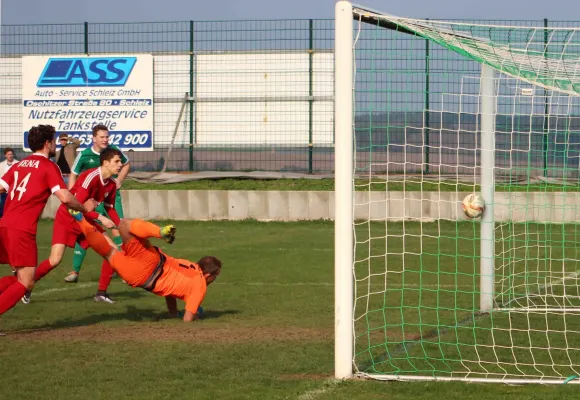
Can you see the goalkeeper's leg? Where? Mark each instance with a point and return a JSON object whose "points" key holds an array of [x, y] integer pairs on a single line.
{"points": [[135, 256], [130, 228], [100, 243]]}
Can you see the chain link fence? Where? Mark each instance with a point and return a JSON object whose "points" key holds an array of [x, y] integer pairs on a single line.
{"points": [[247, 95]]}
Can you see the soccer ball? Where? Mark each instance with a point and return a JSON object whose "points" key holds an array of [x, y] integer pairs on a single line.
{"points": [[473, 205]]}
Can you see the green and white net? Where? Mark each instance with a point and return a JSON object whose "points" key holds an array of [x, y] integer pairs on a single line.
{"points": [[417, 258]]}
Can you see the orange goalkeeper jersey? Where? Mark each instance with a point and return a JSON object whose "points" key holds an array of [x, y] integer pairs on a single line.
{"points": [[182, 279]]}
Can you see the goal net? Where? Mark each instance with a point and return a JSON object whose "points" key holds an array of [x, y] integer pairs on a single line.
{"points": [[426, 113]]}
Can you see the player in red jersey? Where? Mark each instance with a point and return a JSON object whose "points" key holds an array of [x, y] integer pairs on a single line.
{"points": [[29, 185], [97, 184]]}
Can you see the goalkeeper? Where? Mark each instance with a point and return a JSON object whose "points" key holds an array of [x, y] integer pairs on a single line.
{"points": [[87, 159], [145, 266]]}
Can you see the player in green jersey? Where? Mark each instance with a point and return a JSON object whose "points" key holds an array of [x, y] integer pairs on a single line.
{"points": [[90, 158]]}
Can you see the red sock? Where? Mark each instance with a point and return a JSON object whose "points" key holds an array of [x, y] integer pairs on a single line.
{"points": [[106, 276], [6, 281], [42, 269], [11, 296]]}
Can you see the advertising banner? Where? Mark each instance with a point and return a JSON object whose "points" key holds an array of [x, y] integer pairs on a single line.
{"points": [[75, 93]]}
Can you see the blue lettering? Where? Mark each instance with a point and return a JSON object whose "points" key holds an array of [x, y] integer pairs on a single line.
{"points": [[112, 67], [95, 68], [78, 72], [86, 71]]}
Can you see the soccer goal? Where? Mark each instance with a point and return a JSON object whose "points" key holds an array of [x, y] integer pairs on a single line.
{"points": [[426, 113]]}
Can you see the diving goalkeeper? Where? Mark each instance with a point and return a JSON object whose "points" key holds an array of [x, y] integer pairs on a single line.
{"points": [[143, 265]]}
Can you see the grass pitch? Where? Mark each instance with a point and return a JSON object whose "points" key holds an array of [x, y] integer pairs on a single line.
{"points": [[268, 331]]}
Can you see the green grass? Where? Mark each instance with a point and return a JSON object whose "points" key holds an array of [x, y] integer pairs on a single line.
{"points": [[303, 184], [429, 306], [269, 326]]}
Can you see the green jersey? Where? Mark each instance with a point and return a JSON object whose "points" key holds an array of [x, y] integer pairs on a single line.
{"points": [[89, 158]]}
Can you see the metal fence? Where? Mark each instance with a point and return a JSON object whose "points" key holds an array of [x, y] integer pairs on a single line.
{"points": [[258, 94], [417, 107]]}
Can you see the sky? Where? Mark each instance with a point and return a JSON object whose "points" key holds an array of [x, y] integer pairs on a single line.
{"points": [[14, 12]]}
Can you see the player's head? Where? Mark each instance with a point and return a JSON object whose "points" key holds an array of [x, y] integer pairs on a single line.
{"points": [[111, 161], [9, 154], [211, 268], [63, 139], [100, 136], [41, 139]]}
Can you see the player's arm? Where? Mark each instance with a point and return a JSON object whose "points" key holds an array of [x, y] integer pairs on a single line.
{"points": [[75, 170], [123, 174], [109, 203], [53, 178], [189, 316], [72, 179], [192, 306], [124, 170], [7, 180], [171, 303], [82, 194], [69, 200], [2, 168]]}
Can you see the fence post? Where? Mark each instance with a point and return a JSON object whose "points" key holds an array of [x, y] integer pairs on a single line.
{"points": [[427, 113], [310, 94], [546, 107], [86, 38], [191, 105]]}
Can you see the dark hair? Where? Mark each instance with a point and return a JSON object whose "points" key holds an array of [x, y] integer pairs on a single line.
{"points": [[108, 154], [39, 135], [210, 265], [99, 127], [8, 150]]}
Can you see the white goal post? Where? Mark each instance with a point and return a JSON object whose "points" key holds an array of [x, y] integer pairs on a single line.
{"points": [[343, 242], [421, 291]]}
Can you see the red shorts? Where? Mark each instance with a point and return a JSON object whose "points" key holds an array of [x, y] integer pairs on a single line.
{"points": [[18, 248], [68, 232]]}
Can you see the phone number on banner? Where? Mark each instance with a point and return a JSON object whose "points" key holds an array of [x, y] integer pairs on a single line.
{"points": [[125, 140], [137, 140]]}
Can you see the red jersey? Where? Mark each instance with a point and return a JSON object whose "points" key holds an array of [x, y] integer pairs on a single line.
{"points": [[29, 184], [91, 185]]}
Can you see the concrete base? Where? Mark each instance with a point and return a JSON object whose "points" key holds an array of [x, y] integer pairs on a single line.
{"points": [[557, 207]]}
